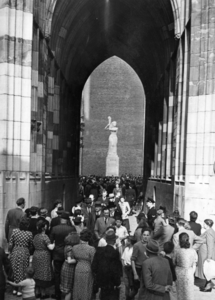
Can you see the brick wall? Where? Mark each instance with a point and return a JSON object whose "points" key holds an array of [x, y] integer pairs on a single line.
{"points": [[115, 90]]}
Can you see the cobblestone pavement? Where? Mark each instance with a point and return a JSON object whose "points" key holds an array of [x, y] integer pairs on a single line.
{"points": [[198, 295]]}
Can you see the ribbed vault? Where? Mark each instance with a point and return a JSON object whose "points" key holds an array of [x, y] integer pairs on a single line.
{"points": [[86, 32]]}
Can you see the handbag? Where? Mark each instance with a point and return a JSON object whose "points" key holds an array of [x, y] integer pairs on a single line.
{"points": [[209, 269]]}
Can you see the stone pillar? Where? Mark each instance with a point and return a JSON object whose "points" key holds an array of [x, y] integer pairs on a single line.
{"points": [[15, 102]]}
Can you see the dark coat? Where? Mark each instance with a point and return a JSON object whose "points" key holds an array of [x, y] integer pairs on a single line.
{"points": [[151, 216], [130, 195], [156, 274], [58, 235], [195, 227], [100, 226], [12, 221], [89, 218], [4, 266], [107, 267], [55, 221]]}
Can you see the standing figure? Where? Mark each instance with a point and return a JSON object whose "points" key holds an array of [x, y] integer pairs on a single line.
{"points": [[112, 160], [185, 260], [83, 253]]}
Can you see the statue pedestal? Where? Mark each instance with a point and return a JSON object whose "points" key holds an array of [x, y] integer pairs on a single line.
{"points": [[112, 165]]}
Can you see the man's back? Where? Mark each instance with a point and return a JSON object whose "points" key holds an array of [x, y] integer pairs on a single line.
{"points": [[58, 235], [163, 235], [195, 227], [12, 220]]}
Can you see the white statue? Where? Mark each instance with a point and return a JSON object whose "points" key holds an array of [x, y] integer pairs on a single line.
{"points": [[113, 136], [112, 160]]}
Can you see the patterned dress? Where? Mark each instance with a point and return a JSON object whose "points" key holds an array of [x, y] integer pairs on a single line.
{"points": [[42, 261], [21, 242], [83, 283], [67, 272], [185, 260]]}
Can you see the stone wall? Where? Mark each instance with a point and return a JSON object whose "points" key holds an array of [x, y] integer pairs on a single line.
{"points": [[115, 90]]}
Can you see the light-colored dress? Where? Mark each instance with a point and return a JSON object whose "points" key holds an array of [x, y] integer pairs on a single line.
{"points": [[83, 283], [185, 261]]}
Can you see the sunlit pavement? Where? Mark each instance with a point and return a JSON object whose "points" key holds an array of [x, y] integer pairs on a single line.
{"points": [[198, 295]]}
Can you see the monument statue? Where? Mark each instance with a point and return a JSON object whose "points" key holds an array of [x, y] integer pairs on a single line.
{"points": [[112, 160]]}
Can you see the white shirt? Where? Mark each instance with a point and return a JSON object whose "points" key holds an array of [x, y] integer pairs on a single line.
{"points": [[121, 232], [28, 286], [125, 208], [126, 256]]}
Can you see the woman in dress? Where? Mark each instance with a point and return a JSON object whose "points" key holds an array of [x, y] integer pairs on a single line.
{"points": [[206, 252], [185, 260], [41, 263], [83, 253], [20, 245], [68, 269]]}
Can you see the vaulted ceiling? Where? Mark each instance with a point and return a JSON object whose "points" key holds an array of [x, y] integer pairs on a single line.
{"points": [[86, 32]]}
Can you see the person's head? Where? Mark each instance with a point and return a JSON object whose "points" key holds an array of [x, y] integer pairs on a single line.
{"points": [[88, 202], [110, 237], [118, 221], [168, 247], [106, 212], [28, 212], [208, 223], [193, 216], [60, 211], [43, 212], [104, 193], [34, 211], [140, 217], [64, 218], [122, 199], [131, 240], [24, 223], [77, 212], [77, 221], [187, 225], [85, 235], [152, 248], [180, 222], [117, 185], [150, 202], [184, 240], [98, 206], [57, 203], [29, 272], [146, 234], [159, 212], [72, 239], [92, 197], [20, 203], [172, 221], [41, 226]]}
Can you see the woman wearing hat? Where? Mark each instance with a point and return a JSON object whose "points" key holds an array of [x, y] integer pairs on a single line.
{"points": [[68, 268], [185, 260], [83, 253]]}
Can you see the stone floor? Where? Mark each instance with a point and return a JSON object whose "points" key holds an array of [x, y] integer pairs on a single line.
{"points": [[198, 295]]}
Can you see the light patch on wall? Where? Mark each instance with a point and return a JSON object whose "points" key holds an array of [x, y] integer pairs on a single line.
{"points": [[86, 100]]}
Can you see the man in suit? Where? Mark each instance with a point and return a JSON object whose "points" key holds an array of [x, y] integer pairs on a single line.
{"points": [[195, 241], [58, 235], [13, 218], [195, 227], [152, 213], [103, 222], [89, 215], [107, 269], [163, 234], [156, 274]]}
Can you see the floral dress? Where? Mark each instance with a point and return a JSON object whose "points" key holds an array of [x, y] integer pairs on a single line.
{"points": [[185, 260], [42, 261], [83, 283], [21, 242], [67, 272]]}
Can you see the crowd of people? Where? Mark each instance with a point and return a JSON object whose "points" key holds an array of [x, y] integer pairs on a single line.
{"points": [[90, 250]]}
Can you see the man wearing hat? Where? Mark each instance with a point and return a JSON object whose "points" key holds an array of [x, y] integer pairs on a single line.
{"points": [[156, 274], [152, 213], [58, 235], [56, 221], [89, 215], [107, 269]]}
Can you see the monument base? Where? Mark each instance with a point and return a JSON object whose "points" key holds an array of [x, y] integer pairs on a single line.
{"points": [[112, 165]]}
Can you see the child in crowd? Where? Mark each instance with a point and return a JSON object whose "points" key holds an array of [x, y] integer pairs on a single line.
{"points": [[28, 285], [168, 249], [127, 269], [121, 232], [159, 221]]}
